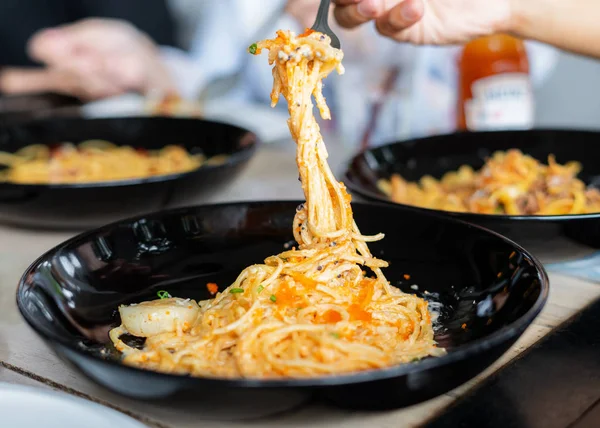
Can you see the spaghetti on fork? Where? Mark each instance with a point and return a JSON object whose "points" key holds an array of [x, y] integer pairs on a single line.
{"points": [[322, 308]]}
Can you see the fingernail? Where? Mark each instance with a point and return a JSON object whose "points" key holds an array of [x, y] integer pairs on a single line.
{"points": [[369, 8], [409, 12]]}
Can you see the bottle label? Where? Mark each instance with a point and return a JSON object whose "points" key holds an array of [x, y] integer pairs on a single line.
{"points": [[503, 101]]}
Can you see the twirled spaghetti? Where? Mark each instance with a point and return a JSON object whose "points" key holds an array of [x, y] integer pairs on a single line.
{"points": [[509, 183], [93, 161], [308, 311]]}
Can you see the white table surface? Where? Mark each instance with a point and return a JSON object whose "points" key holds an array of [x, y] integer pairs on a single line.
{"points": [[25, 359]]}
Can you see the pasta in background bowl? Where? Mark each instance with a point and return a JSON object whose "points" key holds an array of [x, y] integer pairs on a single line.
{"points": [[126, 166], [509, 183], [95, 161], [538, 186]]}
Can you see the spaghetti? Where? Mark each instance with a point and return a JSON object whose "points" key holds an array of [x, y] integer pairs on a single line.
{"points": [[509, 183], [93, 161], [309, 311]]}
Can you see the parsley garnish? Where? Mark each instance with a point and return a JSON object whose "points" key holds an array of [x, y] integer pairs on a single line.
{"points": [[162, 294], [252, 49]]}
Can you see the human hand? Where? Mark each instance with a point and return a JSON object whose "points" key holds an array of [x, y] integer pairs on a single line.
{"points": [[439, 22], [91, 59]]}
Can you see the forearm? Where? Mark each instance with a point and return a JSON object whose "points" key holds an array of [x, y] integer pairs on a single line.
{"points": [[568, 24]]}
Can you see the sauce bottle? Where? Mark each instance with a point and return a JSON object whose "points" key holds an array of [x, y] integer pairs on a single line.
{"points": [[495, 90]]}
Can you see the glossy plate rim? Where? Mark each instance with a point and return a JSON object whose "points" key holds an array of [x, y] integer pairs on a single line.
{"points": [[498, 337], [233, 159], [362, 191]]}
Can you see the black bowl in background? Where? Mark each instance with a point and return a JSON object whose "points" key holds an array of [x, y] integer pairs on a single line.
{"points": [[26, 107], [77, 206], [490, 290], [550, 238]]}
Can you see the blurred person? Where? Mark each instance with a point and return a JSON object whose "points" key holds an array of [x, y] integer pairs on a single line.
{"points": [[104, 56], [569, 25], [56, 47]]}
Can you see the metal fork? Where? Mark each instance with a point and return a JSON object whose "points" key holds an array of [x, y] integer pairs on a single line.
{"points": [[322, 23]]}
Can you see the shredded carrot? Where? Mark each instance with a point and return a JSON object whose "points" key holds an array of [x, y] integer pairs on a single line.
{"points": [[331, 317], [366, 295], [358, 314], [288, 297], [212, 288], [304, 280], [307, 32], [406, 276]]}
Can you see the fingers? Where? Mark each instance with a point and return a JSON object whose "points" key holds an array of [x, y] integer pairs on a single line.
{"points": [[135, 74], [49, 46], [400, 17], [28, 81], [352, 13], [24, 80], [55, 45], [103, 56]]}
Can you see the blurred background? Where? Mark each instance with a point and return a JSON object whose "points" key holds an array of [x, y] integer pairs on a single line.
{"points": [[188, 58], [571, 96]]}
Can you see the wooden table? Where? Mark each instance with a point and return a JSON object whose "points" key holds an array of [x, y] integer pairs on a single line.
{"points": [[25, 359]]}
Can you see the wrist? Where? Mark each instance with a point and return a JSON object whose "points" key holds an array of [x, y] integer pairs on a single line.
{"points": [[521, 16]]}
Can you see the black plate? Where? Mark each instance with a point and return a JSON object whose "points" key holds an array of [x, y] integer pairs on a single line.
{"points": [[550, 238], [490, 288], [90, 205]]}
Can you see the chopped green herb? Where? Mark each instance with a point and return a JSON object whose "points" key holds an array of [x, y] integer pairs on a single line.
{"points": [[260, 288], [336, 335], [162, 294], [252, 49], [273, 298], [236, 290]]}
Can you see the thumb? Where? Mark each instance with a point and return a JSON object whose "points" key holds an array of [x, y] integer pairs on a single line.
{"points": [[400, 17], [352, 13], [50, 45]]}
